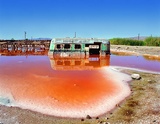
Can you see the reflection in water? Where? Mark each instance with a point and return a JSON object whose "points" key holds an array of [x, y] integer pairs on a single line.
{"points": [[122, 53], [28, 50], [84, 87], [79, 63], [151, 57]]}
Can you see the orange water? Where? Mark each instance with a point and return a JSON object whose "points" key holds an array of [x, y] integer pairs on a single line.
{"points": [[39, 84]]}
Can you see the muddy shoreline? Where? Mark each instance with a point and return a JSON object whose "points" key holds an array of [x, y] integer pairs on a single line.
{"points": [[142, 106]]}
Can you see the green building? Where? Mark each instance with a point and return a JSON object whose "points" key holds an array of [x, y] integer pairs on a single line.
{"points": [[79, 47]]}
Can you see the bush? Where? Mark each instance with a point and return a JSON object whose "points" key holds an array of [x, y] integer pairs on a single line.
{"points": [[152, 41], [124, 41]]}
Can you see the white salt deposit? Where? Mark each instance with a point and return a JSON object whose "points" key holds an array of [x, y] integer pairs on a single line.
{"points": [[136, 69]]}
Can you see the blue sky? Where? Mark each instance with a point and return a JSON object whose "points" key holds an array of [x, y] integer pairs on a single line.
{"points": [[89, 18]]}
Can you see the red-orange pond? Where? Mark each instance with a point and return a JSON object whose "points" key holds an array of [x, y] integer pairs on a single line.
{"points": [[61, 87]]}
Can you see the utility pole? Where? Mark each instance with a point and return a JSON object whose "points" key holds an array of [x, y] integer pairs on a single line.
{"points": [[25, 33], [75, 35], [138, 36]]}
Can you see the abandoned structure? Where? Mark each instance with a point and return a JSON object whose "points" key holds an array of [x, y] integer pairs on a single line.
{"points": [[79, 47]]}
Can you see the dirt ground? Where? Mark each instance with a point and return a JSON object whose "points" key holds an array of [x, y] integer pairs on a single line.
{"points": [[136, 50], [141, 107]]}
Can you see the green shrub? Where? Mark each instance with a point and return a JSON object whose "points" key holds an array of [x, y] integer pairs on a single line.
{"points": [[150, 41], [124, 41]]}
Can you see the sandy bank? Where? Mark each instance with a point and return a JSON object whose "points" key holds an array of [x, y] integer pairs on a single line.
{"points": [[136, 50]]}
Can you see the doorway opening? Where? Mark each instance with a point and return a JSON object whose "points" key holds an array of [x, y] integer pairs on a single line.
{"points": [[94, 49]]}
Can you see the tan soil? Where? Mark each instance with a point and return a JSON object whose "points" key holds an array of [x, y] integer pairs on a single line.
{"points": [[136, 50], [141, 107]]}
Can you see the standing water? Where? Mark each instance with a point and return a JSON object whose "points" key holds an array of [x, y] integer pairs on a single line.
{"points": [[63, 87], [60, 87], [147, 63]]}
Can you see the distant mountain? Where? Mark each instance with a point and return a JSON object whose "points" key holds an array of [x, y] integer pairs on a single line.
{"points": [[36, 39], [40, 39]]}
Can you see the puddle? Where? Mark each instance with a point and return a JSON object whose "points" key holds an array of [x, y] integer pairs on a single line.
{"points": [[67, 87], [62, 87]]}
